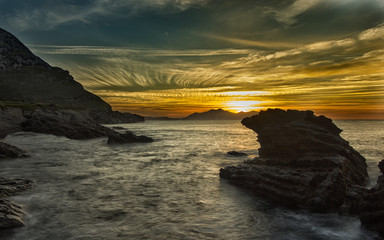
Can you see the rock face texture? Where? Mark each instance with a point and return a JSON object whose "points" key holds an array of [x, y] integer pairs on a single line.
{"points": [[9, 151], [73, 124], [26, 77], [303, 162], [11, 213], [372, 205]]}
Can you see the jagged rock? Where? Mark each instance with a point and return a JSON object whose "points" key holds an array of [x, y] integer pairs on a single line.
{"points": [[9, 151], [10, 119], [11, 214], [74, 124], [371, 206], [303, 163], [127, 137], [10, 187], [26, 77], [237, 154]]}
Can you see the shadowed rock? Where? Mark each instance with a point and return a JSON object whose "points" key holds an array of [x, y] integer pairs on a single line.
{"points": [[127, 137], [74, 124], [9, 151], [236, 154], [372, 205], [303, 163], [11, 214]]}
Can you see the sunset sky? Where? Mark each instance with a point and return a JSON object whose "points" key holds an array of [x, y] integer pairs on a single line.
{"points": [[176, 57]]}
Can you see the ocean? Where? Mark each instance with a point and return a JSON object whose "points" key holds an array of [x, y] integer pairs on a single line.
{"points": [[168, 189]]}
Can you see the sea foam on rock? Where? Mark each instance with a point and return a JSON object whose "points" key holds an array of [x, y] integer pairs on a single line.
{"points": [[303, 162]]}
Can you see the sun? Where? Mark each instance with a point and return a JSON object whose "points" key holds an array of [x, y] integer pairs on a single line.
{"points": [[242, 106]]}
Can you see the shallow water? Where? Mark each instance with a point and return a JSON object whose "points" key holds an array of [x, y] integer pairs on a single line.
{"points": [[168, 189]]}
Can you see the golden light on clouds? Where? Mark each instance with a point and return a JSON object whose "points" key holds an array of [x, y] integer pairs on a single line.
{"points": [[341, 78]]}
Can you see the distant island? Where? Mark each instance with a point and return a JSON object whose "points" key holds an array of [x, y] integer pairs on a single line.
{"points": [[213, 114], [219, 114]]}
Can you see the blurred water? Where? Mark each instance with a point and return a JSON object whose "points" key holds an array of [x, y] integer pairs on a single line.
{"points": [[168, 189]]}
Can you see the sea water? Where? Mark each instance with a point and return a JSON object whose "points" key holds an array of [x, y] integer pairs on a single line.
{"points": [[168, 189]]}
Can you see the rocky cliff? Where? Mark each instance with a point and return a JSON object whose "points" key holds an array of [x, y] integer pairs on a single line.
{"points": [[26, 77], [303, 162]]}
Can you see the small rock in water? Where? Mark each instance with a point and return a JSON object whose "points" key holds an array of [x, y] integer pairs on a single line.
{"points": [[237, 154], [127, 137]]}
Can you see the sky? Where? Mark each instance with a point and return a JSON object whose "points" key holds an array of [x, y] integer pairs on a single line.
{"points": [[175, 57]]}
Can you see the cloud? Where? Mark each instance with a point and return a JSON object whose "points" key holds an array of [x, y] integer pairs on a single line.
{"points": [[48, 15], [376, 33], [342, 73], [287, 16]]}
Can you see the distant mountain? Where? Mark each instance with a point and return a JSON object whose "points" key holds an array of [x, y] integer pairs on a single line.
{"points": [[26, 77], [219, 114]]}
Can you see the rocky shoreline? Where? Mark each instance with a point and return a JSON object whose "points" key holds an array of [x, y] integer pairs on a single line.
{"points": [[303, 163], [71, 123]]}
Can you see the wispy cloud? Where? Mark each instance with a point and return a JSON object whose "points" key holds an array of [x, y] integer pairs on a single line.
{"points": [[343, 73], [51, 14], [287, 15]]}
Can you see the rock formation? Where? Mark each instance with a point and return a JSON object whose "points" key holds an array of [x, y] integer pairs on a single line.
{"points": [[371, 207], [26, 77], [9, 151], [73, 124], [11, 213], [303, 162], [127, 137]]}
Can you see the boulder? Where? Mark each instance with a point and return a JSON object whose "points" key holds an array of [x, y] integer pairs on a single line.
{"points": [[9, 151], [127, 137], [303, 162], [372, 205]]}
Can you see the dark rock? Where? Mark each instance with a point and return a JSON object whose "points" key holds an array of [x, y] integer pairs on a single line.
{"points": [[219, 114], [117, 128], [127, 137], [10, 187], [237, 154], [26, 77], [303, 163], [114, 117], [11, 214], [9, 151], [74, 124], [371, 206]]}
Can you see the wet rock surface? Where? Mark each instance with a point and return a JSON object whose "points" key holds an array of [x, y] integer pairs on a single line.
{"points": [[9, 151], [236, 153], [303, 163], [371, 206], [73, 124], [11, 214]]}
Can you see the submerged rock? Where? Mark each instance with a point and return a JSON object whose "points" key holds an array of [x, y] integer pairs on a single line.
{"points": [[127, 137], [11, 213], [372, 205], [303, 163], [9, 151], [237, 154]]}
